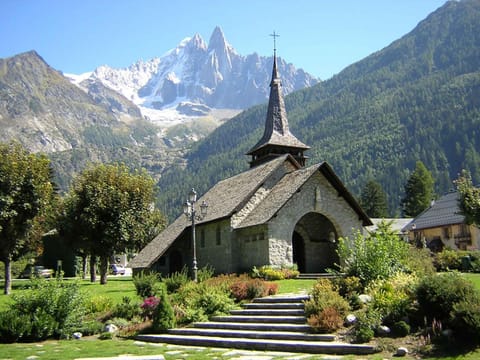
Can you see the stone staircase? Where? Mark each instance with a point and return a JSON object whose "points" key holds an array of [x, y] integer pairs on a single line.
{"points": [[274, 323]]}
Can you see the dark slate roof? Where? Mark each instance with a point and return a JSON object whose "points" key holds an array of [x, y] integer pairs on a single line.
{"points": [[443, 212], [286, 188], [277, 131], [224, 199], [278, 196]]}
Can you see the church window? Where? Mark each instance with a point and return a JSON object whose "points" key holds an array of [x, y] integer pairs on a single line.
{"points": [[218, 236]]}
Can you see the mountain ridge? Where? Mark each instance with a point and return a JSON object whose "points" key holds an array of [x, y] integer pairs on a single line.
{"points": [[416, 99]]}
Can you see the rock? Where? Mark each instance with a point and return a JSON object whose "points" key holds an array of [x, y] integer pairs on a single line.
{"points": [[383, 330], [364, 298], [350, 319], [77, 335], [402, 351], [111, 328]]}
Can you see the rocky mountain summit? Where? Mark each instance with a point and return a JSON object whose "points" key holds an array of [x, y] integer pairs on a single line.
{"points": [[194, 73]]}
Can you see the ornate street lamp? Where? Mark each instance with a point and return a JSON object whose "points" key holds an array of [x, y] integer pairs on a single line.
{"points": [[191, 214]]}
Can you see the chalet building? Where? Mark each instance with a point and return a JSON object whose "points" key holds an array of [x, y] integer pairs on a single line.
{"points": [[443, 226], [278, 212]]}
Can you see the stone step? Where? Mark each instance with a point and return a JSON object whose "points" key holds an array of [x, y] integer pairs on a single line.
{"points": [[260, 319], [314, 347], [282, 299], [316, 276], [303, 328], [268, 312], [267, 305], [250, 334]]}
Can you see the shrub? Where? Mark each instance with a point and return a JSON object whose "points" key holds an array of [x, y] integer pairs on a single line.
{"points": [[367, 322], [348, 285], [378, 255], [126, 309], [449, 260], [327, 320], [176, 280], [437, 295], [393, 298], [256, 288], [55, 308], [205, 273], [13, 326], [325, 304], [90, 327], [400, 329], [146, 284], [363, 334], [98, 304], [419, 261], [149, 305], [246, 288], [163, 316], [465, 320], [272, 273], [213, 301]]}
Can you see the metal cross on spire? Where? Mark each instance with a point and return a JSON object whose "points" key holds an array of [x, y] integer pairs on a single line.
{"points": [[274, 35]]}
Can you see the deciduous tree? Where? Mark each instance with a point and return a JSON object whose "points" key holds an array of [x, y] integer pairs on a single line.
{"points": [[109, 210], [26, 191], [469, 198]]}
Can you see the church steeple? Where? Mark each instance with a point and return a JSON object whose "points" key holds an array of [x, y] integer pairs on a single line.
{"points": [[277, 139]]}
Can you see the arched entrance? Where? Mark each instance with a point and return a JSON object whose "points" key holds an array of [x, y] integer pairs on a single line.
{"points": [[298, 245], [175, 262], [314, 244]]}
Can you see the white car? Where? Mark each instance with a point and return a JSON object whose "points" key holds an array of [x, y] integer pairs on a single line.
{"points": [[117, 269]]}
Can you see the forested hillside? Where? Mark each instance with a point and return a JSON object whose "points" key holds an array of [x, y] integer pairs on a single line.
{"points": [[417, 99]]}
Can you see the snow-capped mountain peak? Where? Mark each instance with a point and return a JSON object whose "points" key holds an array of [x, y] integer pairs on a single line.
{"points": [[212, 75]]}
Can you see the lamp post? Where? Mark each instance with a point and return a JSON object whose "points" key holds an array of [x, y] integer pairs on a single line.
{"points": [[191, 214]]}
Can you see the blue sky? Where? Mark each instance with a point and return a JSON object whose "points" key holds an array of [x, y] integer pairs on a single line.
{"points": [[320, 36]]}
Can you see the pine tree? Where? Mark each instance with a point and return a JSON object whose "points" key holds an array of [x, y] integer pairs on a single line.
{"points": [[419, 191], [374, 200]]}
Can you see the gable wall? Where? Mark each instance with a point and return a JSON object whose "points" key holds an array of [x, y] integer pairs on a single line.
{"points": [[316, 195]]}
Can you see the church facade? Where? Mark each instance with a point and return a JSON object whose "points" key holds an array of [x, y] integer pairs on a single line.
{"points": [[277, 213]]}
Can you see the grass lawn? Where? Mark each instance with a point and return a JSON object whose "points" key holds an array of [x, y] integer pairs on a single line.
{"points": [[120, 286]]}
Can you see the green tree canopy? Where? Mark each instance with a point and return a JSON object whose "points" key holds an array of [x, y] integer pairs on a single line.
{"points": [[374, 200], [469, 199], [109, 210], [419, 191], [26, 191]]}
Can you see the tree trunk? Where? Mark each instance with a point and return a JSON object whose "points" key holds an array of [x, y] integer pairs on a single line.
{"points": [[84, 267], [8, 275], [93, 269], [103, 269]]}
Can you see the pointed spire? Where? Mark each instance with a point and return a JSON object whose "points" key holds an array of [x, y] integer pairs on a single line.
{"points": [[277, 139]]}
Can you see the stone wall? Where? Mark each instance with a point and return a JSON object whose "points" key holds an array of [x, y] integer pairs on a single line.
{"points": [[316, 195], [252, 248], [216, 248]]}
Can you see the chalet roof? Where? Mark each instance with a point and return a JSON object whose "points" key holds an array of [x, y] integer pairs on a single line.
{"points": [[442, 212], [277, 132], [224, 199]]}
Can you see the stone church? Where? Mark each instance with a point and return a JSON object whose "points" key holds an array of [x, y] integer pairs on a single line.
{"points": [[279, 212]]}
